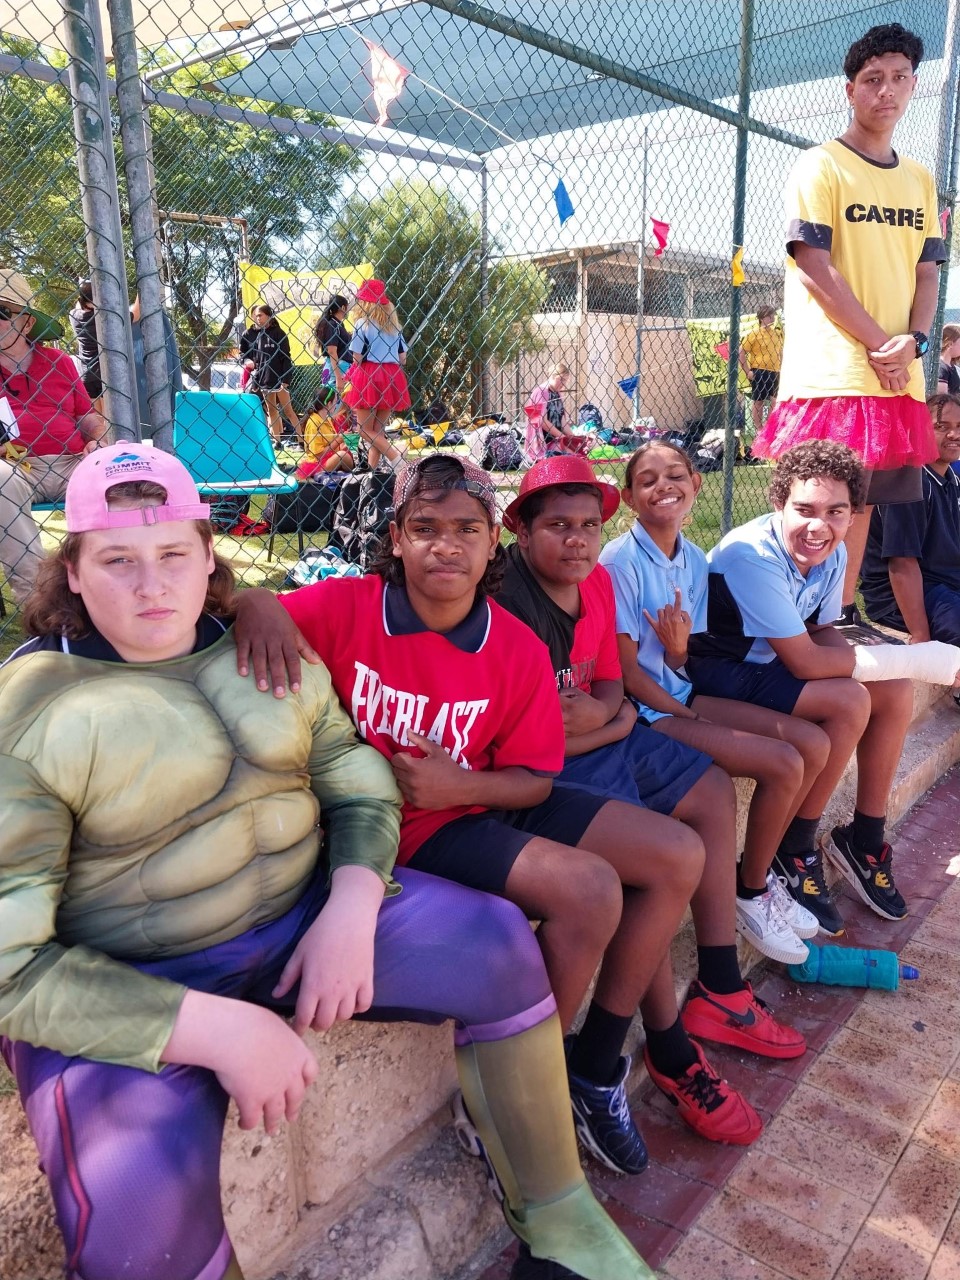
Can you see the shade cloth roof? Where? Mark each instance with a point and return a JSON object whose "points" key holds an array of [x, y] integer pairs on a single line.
{"points": [[530, 92]]}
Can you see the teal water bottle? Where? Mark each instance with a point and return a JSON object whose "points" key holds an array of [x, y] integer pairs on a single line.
{"points": [[853, 967]]}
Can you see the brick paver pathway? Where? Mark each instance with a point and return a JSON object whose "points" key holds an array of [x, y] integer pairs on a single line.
{"points": [[857, 1173]]}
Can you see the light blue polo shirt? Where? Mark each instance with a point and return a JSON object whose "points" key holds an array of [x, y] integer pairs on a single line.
{"points": [[775, 600], [644, 578], [379, 347]]}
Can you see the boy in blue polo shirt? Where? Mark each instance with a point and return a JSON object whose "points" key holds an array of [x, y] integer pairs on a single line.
{"points": [[911, 571], [775, 589]]}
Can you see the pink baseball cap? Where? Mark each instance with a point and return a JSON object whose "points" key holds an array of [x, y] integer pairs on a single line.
{"points": [[122, 463]]}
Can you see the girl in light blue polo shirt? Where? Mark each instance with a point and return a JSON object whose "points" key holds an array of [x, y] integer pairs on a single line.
{"points": [[660, 582]]}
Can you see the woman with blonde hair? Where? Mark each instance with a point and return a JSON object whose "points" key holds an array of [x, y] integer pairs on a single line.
{"points": [[376, 387], [948, 375], [547, 428]]}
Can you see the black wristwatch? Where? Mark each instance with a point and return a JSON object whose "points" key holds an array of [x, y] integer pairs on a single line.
{"points": [[923, 343]]}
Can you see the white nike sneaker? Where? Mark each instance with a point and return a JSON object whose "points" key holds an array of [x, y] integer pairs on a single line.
{"points": [[763, 924], [803, 922]]}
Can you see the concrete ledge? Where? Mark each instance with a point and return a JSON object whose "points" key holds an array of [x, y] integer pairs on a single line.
{"points": [[369, 1181]]}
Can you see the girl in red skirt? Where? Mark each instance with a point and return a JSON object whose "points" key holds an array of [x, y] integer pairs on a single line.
{"points": [[376, 388]]}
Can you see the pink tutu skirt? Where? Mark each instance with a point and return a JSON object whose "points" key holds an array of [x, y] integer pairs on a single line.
{"points": [[886, 432], [382, 387]]}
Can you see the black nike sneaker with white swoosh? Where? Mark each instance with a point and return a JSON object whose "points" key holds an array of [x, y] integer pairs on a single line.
{"points": [[870, 874], [803, 878]]}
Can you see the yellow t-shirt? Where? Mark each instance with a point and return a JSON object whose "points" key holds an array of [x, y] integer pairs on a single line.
{"points": [[878, 221], [764, 348], [319, 434]]}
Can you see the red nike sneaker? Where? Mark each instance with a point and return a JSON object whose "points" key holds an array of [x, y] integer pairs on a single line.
{"points": [[711, 1107], [741, 1020]]}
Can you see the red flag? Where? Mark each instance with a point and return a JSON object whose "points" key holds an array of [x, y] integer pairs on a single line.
{"points": [[660, 232], [387, 77], [944, 219]]}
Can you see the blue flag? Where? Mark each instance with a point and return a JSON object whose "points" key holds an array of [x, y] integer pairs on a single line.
{"points": [[629, 386], [563, 202]]}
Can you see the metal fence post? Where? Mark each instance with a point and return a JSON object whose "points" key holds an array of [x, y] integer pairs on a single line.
{"points": [[101, 206], [739, 215], [134, 124], [948, 152]]}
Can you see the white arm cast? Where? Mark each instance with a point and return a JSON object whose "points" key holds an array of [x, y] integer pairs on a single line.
{"points": [[933, 662]]}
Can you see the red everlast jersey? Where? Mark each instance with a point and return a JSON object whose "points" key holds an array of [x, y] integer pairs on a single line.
{"points": [[486, 691]]}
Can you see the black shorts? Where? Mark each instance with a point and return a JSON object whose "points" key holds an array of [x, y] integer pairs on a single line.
{"points": [[765, 684], [886, 488], [645, 768], [765, 384], [479, 849]]}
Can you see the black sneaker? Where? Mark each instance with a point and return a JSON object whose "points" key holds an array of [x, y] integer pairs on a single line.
{"points": [[870, 874], [803, 877], [850, 616], [527, 1267], [604, 1125], [853, 626]]}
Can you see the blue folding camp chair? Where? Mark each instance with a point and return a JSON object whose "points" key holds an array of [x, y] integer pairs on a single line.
{"points": [[223, 441]]}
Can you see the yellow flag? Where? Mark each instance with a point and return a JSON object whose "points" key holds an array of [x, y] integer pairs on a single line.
{"points": [[736, 268]]}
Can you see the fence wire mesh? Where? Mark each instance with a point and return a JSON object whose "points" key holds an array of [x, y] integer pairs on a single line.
{"points": [[551, 195]]}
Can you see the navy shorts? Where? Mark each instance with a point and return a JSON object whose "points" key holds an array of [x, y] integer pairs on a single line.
{"points": [[479, 849], [645, 768], [765, 684], [943, 612], [766, 383]]}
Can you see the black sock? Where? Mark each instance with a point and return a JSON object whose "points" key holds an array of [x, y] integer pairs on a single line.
{"points": [[867, 832], [743, 891], [719, 969], [596, 1051], [799, 838], [671, 1051]]}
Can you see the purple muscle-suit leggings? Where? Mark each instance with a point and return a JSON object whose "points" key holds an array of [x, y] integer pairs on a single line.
{"points": [[133, 1158]]}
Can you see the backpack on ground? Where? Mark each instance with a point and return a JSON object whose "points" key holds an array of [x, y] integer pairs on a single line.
{"points": [[590, 416], [226, 512], [502, 452], [362, 516], [308, 509]]}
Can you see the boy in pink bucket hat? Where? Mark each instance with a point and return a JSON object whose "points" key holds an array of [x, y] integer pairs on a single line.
{"points": [[554, 583]]}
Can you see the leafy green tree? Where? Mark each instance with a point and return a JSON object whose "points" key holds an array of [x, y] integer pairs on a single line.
{"points": [[283, 186], [426, 244], [41, 223]]}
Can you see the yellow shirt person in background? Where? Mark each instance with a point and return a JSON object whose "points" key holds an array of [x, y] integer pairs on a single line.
{"points": [[761, 354]]}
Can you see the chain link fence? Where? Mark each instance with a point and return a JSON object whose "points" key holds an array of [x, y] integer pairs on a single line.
{"points": [[550, 194]]}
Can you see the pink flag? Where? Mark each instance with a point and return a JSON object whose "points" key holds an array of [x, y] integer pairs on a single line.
{"points": [[944, 219], [387, 77], [660, 232]]}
